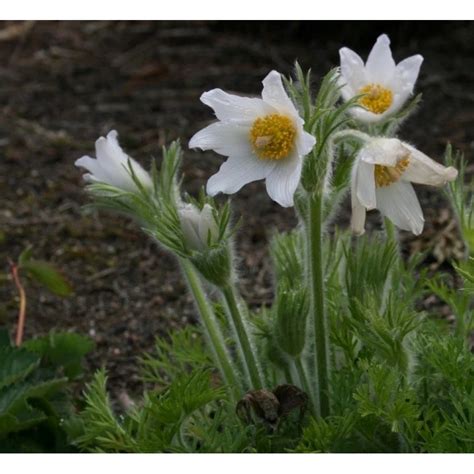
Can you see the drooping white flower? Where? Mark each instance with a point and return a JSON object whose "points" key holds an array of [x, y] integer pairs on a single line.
{"points": [[198, 225], [112, 165], [262, 138], [387, 86], [381, 179]]}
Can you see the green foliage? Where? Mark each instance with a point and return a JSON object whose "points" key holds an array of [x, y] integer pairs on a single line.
{"points": [[44, 273], [184, 350], [461, 196], [34, 394], [65, 350], [160, 425]]}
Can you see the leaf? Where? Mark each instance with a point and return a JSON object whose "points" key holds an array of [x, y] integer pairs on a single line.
{"points": [[46, 275], [4, 338], [25, 256], [10, 423], [65, 350], [15, 365]]}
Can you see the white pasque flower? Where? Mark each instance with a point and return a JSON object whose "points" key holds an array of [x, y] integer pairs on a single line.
{"points": [[263, 138], [198, 225], [112, 165], [387, 86], [381, 178]]}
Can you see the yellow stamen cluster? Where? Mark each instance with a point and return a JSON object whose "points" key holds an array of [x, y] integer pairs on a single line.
{"points": [[273, 136], [377, 99], [386, 175]]}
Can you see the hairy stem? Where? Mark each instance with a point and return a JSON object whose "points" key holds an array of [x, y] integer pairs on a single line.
{"points": [[213, 332], [305, 386], [391, 232], [318, 316], [243, 338]]}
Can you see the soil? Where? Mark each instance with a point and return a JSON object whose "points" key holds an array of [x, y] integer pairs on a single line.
{"points": [[63, 84]]}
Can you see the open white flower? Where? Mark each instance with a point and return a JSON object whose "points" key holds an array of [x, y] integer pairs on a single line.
{"points": [[263, 138], [381, 178], [387, 86], [112, 165], [198, 225]]}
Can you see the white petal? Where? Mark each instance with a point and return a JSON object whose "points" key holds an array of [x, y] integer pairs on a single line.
{"points": [[274, 93], [364, 115], [236, 172], [352, 72], [364, 183], [406, 73], [224, 138], [423, 170], [399, 203], [380, 65], [207, 224], [305, 143], [230, 107], [358, 214], [92, 165], [383, 151], [189, 219], [283, 180], [111, 165]]}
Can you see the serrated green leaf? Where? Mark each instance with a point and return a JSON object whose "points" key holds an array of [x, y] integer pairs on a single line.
{"points": [[11, 424], [5, 340], [16, 364], [65, 350], [46, 275]]}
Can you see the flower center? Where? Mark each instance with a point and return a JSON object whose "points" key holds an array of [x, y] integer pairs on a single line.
{"points": [[386, 175], [377, 98], [273, 136]]}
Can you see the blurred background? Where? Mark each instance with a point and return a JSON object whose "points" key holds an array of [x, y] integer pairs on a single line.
{"points": [[63, 84]]}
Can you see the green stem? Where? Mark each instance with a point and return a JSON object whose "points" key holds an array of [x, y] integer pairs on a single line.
{"points": [[318, 310], [214, 334], [390, 230], [302, 375], [242, 338]]}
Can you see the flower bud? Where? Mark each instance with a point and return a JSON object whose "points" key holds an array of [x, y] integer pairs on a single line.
{"points": [[292, 308], [198, 226], [208, 254], [112, 166]]}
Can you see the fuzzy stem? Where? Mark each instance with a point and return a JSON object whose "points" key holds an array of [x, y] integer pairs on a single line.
{"points": [[391, 232], [318, 312], [214, 334], [302, 377], [350, 133], [243, 338]]}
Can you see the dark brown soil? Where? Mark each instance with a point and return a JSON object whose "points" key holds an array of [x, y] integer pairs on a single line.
{"points": [[63, 84]]}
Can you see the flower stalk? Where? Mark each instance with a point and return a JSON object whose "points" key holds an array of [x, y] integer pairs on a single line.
{"points": [[243, 340], [214, 335], [22, 311], [317, 315]]}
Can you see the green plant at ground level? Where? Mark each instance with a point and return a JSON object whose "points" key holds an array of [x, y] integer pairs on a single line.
{"points": [[35, 392]]}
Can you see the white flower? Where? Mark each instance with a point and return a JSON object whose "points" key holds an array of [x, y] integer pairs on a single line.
{"points": [[111, 166], [197, 225], [381, 178], [263, 138], [387, 86]]}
